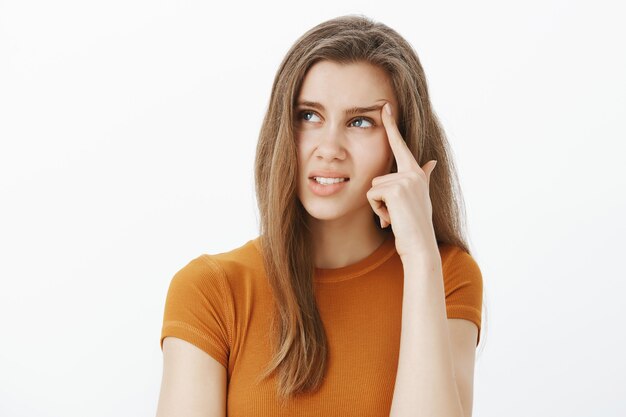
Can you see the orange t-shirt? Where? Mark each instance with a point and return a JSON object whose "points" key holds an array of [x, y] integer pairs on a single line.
{"points": [[222, 304]]}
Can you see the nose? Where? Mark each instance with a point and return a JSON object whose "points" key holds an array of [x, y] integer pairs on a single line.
{"points": [[331, 144]]}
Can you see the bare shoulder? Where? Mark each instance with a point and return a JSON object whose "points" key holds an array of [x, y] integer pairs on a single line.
{"points": [[193, 384]]}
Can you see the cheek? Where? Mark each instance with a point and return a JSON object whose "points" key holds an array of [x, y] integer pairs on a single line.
{"points": [[302, 152], [305, 146], [378, 155], [301, 138], [386, 154]]}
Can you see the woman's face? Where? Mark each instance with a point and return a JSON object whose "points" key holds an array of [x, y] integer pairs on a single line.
{"points": [[340, 133]]}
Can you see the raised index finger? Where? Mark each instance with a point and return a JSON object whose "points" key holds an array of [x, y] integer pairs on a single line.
{"points": [[404, 158]]}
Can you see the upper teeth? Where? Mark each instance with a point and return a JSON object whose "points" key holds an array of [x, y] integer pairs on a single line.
{"points": [[323, 180]]}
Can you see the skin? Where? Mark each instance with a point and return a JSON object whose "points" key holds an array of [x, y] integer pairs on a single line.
{"points": [[436, 358], [363, 146], [354, 144]]}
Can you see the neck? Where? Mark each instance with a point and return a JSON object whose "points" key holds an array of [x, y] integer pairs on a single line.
{"points": [[342, 242]]}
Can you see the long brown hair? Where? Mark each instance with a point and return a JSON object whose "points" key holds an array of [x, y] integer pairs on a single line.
{"points": [[300, 345]]}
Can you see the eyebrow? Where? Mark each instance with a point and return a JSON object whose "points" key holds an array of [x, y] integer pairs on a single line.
{"points": [[350, 111]]}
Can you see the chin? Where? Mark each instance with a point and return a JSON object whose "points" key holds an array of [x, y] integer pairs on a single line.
{"points": [[324, 213]]}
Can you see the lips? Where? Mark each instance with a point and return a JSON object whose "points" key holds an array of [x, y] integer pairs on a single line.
{"points": [[325, 190], [328, 174]]}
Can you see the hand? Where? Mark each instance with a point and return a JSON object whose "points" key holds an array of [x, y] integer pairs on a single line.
{"points": [[402, 198]]}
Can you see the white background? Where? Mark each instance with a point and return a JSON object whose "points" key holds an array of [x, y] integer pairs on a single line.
{"points": [[128, 130]]}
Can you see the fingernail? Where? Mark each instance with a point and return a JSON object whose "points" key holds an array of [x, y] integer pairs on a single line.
{"points": [[388, 108]]}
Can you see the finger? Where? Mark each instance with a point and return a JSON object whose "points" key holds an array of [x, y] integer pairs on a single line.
{"points": [[428, 168], [384, 221], [382, 212], [405, 161], [384, 178], [377, 202]]}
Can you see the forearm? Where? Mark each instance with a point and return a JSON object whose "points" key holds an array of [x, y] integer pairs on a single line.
{"points": [[425, 381]]}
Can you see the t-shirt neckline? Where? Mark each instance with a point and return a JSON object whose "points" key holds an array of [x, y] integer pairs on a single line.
{"points": [[370, 262]]}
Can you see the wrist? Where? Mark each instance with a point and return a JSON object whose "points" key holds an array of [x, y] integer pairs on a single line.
{"points": [[422, 259]]}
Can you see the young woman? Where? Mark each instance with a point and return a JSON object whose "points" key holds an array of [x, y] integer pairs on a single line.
{"points": [[359, 297]]}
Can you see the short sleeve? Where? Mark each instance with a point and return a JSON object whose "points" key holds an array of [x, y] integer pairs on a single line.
{"points": [[463, 286], [198, 308]]}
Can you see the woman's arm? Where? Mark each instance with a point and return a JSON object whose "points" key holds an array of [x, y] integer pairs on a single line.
{"points": [[436, 361], [427, 376], [193, 385]]}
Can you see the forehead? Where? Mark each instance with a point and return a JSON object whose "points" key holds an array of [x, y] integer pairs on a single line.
{"points": [[332, 83]]}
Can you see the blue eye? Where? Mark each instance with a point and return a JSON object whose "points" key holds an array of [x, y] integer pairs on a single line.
{"points": [[307, 115], [304, 113], [360, 120]]}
